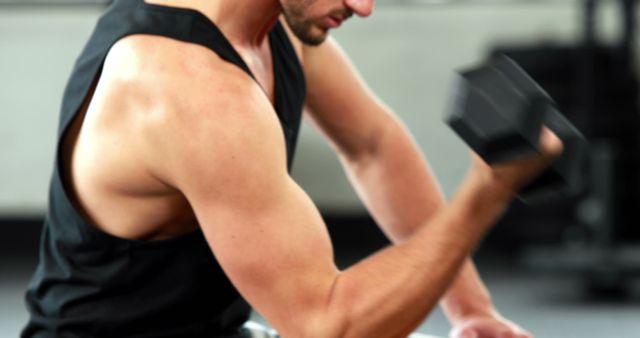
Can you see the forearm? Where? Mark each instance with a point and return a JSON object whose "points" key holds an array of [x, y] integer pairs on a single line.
{"points": [[399, 190], [390, 293], [466, 295], [395, 182]]}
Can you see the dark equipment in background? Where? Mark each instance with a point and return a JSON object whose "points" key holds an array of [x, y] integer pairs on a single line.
{"points": [[595, 234], [499, 111]]}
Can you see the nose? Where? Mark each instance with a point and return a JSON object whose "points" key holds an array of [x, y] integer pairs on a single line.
{"points": [[362, 8]]}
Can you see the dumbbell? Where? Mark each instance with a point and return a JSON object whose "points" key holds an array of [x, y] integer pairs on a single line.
{"points": [[499, 111]]}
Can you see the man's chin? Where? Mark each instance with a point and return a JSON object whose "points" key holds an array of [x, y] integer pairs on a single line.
{"points": [[314, 38], [308, 32], [314, 42]]}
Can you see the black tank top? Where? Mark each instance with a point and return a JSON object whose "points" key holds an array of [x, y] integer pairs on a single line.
{"points": [[91, 284]]}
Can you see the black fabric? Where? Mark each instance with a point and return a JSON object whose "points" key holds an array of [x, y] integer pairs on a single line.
{"points": [[91, 284]]}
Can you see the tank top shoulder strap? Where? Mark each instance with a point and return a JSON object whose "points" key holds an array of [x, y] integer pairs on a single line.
{"points": [[131, 17], [186, 25]]}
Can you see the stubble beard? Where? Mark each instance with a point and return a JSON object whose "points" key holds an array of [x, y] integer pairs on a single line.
{"points": [[301, 26]]}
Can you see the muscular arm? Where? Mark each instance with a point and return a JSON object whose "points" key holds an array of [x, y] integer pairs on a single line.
{"points": [[222, 147], [383, 162]]}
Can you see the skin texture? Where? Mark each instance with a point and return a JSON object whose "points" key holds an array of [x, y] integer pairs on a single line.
{"points": [[147, 160], [308, 29]]}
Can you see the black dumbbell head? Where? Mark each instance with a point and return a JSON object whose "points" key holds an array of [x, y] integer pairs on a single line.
{"points": [[499, 111], [492, 107]]}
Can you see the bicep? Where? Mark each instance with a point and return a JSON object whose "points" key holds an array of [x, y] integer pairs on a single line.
{"points": [[275, 249], [265, 232]]}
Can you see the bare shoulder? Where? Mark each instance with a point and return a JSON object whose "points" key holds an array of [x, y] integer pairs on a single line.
{"points": [[195, 108], [172, 68]]}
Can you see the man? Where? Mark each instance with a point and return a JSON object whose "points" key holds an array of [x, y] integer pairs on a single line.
{"points": [[177, 130]]}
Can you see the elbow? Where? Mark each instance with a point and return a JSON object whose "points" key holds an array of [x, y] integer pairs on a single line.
{"points": [[323, 327], [375, 144], [327, 318], [338, 315], [367, 148]]}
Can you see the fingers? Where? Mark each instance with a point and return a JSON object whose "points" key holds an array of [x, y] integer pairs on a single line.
{"points": [[469, 334], [501, 334], [550, 143], [514, 334], [489, 329], [465, 333]]}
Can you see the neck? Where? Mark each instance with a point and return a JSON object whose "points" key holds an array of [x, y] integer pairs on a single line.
{"points": [[245, 23]]}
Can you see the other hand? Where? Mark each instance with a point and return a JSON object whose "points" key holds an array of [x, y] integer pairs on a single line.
{"points": [[487, 326]]}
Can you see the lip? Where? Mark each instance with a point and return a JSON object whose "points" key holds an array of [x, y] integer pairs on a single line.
{"points": [[332, 22]]}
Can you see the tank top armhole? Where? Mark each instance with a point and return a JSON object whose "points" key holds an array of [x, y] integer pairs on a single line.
{"points": [[68, 197]]}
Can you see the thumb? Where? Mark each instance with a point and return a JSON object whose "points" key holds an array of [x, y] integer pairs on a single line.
{"points": [[551, 144]]}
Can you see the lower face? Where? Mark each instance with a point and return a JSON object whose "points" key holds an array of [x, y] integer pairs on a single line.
{"points": [[310, 20]]}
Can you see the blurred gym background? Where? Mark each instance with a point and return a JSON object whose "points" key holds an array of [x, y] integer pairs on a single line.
{"points": [[564, 268]]}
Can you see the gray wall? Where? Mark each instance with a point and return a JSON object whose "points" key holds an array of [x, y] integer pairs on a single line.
{"points": [[406, 53], [38, 47]]}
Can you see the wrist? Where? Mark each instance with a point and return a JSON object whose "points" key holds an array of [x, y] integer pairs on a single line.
{"points": [[468, 297], [460, 310], [488, 184], [480, 200]]}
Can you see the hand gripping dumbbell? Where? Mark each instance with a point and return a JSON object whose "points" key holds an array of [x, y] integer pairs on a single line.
{"points": [[499, 111]]}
